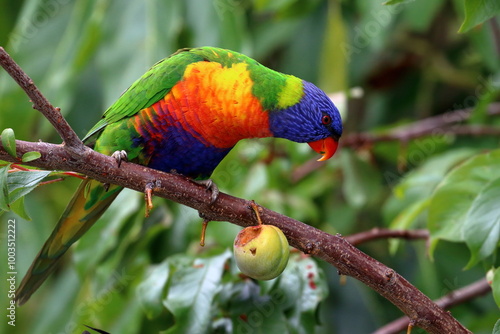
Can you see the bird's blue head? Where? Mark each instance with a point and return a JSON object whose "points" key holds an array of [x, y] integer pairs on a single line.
{"points": [[314, 120]]}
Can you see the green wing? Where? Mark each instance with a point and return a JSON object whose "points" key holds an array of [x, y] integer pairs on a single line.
{"points": [[159, 79], [147, 90]]}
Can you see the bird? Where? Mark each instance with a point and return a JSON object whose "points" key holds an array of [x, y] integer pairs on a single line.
{"points": [[184, 115]]}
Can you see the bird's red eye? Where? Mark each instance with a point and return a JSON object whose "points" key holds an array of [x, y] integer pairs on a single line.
{"points": [[326, 120]]}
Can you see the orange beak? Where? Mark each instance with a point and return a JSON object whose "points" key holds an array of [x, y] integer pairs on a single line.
{"points": [[326, 147]]}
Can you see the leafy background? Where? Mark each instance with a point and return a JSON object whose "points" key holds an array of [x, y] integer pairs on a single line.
{"points": [[388, 65]]}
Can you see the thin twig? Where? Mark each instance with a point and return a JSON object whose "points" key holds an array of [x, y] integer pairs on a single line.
{"points": [[40, 103], [460, 296], [44, 183], [432, 126], [384, 233], [73, 174]]}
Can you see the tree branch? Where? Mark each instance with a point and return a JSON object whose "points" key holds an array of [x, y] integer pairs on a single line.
{"points": [[41, 104], [384, 233], [433, 126], [334, 249], [471, 291]]}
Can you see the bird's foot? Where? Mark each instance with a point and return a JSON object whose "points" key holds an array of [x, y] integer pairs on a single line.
{"points": [[119, 156], [210, 185], [148, 197], [257, 210]]}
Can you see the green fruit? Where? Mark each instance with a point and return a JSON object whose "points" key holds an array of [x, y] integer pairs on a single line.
{"points": [[261, 252]]}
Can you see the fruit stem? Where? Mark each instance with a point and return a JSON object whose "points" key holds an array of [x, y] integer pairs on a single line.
{"points": [[256, 209]]}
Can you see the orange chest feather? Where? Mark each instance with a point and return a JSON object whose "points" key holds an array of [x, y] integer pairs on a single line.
{"points": [[215, 104]]}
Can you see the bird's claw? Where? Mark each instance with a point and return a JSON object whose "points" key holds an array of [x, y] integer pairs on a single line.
{"points": [[119, 156], [210, 185]]}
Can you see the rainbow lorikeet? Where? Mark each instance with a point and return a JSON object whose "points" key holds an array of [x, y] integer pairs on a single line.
{"points": [[185, 114]]}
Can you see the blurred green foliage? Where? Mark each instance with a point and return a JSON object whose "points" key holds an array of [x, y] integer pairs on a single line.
{"points": [[132, 274]]}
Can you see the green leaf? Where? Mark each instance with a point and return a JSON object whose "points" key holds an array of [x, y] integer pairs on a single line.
{"points": [[418, 185], [151, 289], [287, 304], [495, 286], [4, 189], [21, 183], [477, 12], [420, 182], [456, 194], [102, 247], [256, 306], [19, 208], [30, 156], [361, 182], [481, 229], [496, 329], [405, 220], [335, 35], [14, 186], [192, 291], [9, 141], [305, 281]]}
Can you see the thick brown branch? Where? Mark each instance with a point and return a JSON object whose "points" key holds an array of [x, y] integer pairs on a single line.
{"points": [[334, 249], [471, 291], [384, 233], [40, 103]]}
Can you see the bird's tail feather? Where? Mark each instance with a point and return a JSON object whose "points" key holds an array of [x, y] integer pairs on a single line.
{"points": [[87, 205]]}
